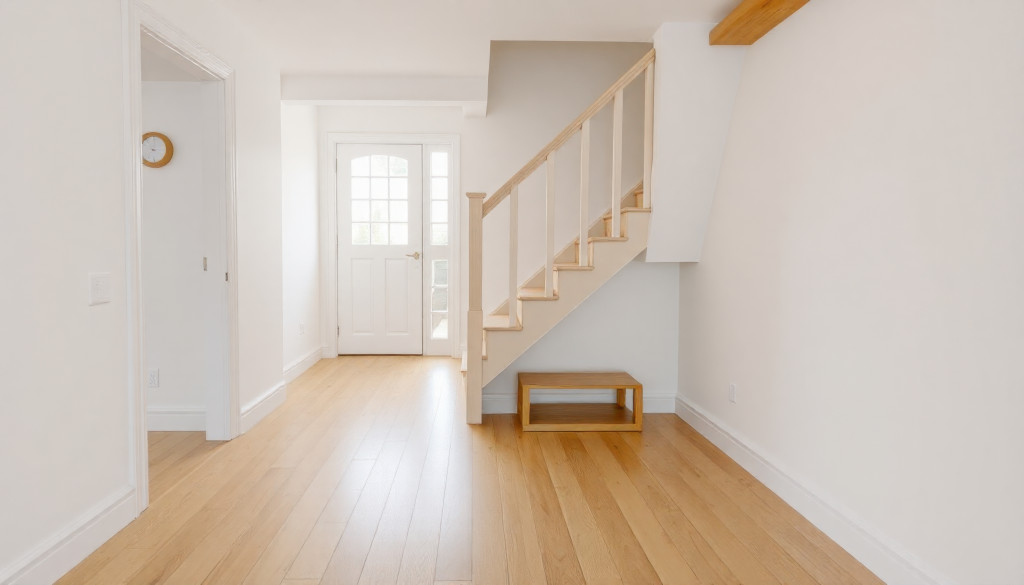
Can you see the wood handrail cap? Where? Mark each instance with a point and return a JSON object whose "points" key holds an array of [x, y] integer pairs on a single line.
{"points": [[476, 195]]}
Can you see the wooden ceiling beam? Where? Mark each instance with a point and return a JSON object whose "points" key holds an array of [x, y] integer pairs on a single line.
{"points": [[751, 20]]}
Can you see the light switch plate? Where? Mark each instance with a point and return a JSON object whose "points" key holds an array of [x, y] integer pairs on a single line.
{"points": [[99, 288]]}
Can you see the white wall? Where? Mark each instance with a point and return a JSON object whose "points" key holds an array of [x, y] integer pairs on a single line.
{"points": [[64, 425], [861, 280], [64, 421], [300, 237], [622, 326], [694, 92], [178, 306]]}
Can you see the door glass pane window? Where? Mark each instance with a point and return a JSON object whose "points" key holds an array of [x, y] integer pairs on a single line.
{"points": [[399, 167], [439, 299], [439, 211], [439, 164], [379, 165], [360, 211], [439, 188], [399, 188], [379, 211], [383, 220], [360, 188], [399, 211], [438, 234], [361, 166]]}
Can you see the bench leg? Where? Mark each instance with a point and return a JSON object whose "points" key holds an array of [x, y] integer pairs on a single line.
{"points": [[620, 396]]}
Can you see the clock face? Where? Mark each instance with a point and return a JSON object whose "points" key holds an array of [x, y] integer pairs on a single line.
{"points": [[157, 149], [153, 149]]}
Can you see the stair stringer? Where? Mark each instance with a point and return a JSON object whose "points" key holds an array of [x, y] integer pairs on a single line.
{"points": [[574, 287]]}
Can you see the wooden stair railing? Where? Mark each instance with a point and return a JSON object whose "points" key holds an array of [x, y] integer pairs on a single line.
{"points": [[479, 208]]}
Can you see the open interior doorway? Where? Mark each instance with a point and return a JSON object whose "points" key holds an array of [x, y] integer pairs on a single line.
{"points": [[180, 199]]}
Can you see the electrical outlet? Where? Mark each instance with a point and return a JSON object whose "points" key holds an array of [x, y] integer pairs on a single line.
{"points": [[153, 378], [302, 328], [732, 393]]}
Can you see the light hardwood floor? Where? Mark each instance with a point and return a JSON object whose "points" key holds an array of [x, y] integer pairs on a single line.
{"points": [[368, 475]]}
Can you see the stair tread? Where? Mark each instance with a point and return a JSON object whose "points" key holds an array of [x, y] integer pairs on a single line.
{"points": [[608, 215], [572, 267], [607, 238], [500, 323], [535, 294]]}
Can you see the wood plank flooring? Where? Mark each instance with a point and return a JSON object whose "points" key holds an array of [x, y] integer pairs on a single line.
{"points": [[368, 475]]}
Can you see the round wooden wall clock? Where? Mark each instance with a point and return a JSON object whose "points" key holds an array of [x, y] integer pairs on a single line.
{"points": [[157, 149]]}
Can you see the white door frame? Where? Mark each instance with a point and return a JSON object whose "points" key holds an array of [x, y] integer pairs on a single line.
{"points": [[329, 230], [139, 19]]}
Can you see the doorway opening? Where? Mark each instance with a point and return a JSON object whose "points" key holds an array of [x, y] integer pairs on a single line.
{"points": [[180, 202], [391, 245]]}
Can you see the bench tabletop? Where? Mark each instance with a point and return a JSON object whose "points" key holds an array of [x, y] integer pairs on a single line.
{"points": [[555, 380]]}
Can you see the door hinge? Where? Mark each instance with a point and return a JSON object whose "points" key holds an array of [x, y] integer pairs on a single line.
{"points": [[339, 330], [226, 277]]}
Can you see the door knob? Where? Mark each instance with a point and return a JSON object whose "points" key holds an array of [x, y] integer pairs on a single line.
{"points": [[414, 255]]}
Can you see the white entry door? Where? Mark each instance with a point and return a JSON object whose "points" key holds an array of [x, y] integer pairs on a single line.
{"points": [[380, 246]]}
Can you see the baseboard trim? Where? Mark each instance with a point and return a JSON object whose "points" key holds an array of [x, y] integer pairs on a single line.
{"points": [[506, 403], [327, 354], [59, 553], [891, 562], [160, 418], [258, 409], [299, 366]]}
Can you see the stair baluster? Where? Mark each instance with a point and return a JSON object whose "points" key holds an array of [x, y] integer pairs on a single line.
{"points": [[584, 255]]}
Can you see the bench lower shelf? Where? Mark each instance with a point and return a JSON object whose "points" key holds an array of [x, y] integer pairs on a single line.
{"points": [[580, 417], [573, 416]]}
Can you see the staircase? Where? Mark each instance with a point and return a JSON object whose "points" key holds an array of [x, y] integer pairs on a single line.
{"points": [[569, 276]]}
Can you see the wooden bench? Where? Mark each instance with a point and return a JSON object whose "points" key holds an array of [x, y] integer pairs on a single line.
{"points": [[580, 416]]}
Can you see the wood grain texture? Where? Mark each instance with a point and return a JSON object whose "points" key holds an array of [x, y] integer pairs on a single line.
{"points": [[751, 20], [369, 474]]}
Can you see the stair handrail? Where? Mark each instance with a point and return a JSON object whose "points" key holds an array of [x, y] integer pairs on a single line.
{"points": [[480, 205], [567, 133]]}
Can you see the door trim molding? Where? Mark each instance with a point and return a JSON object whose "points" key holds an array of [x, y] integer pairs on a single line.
{"points": [[138, 19], [329, 228]]}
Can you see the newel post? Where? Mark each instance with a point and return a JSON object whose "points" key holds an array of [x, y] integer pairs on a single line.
{"points": [[475, 317]]}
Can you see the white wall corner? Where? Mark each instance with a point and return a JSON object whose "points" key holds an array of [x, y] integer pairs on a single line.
{"points": [[888, 560], [175, 418], [258, 409], [299, 366], [59, 553]]}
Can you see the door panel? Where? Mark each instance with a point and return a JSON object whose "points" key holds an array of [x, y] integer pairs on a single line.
{"points": [[380, 272]]}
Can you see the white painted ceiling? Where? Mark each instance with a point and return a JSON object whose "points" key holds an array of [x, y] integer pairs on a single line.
{"points": [[445, 37]]}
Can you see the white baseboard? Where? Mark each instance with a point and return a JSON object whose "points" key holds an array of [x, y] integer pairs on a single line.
{"points": [[506, 403], [258, 409], [59, 553], [296, 368], [160, 418], [890, 561], [327, 353]]}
